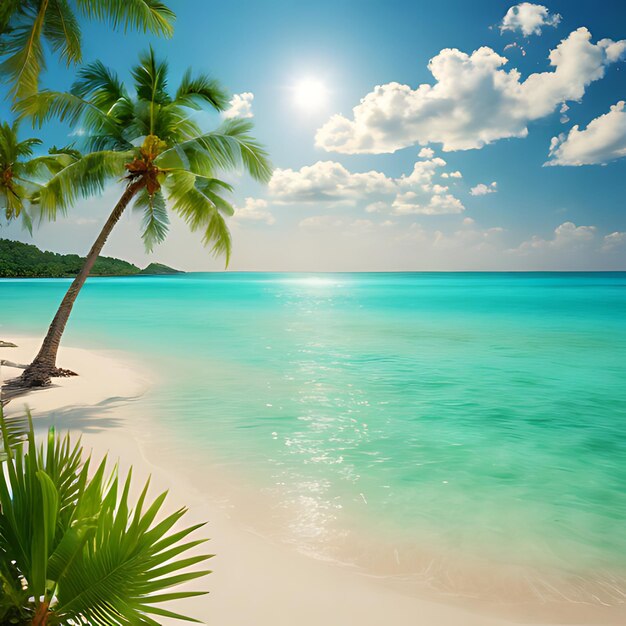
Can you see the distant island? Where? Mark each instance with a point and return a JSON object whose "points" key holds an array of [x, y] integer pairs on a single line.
{"points": [[22, 260]]}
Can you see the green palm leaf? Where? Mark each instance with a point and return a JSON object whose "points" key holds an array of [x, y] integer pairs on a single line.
{"points": [[24, 50], [46, 104], [155, 222], [85, 176], [230, 147], [194, 200], [150, 77], [146, 15], [197, 92], [73, 547], [62, 31]]}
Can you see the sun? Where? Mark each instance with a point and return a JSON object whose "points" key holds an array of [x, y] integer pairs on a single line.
{"points": [[310, 94]]}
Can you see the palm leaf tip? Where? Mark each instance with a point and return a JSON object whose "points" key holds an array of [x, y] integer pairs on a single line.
{"points": [[233, 146], [14, 432], [145, 15], [194, 92], [62, 32]]}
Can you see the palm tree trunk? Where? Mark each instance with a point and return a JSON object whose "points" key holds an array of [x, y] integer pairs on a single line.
{"points": [[38, 373]]}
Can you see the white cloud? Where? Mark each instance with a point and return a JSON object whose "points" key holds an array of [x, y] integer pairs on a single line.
{"points": [[240, 106], [254, 210], [331, 182], [614, 50], [567, 235], [514, 46], [603, 140], [327, 181], [426, 153], [412, 203], [528, 18], [456, 174], [614, 240], [472, 102], [482, 190]]}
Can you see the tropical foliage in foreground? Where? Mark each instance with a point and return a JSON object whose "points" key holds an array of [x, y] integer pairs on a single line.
{"points": [[28, 26], [151, 138], [73, 549]]}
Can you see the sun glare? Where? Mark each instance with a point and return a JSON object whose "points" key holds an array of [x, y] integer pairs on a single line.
{"points": [[310, 94]]}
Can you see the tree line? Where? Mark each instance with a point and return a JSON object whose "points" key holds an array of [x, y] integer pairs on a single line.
{"points": [[21, 260]]}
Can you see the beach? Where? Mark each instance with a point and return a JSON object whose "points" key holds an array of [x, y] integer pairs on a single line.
{"points": [[255, 579]]}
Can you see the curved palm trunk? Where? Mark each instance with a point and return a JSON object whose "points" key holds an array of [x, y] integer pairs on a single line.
{"points": [[38, 373]]}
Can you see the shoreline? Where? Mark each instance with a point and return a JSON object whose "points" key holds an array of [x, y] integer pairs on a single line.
{"points": [[257, 578]]}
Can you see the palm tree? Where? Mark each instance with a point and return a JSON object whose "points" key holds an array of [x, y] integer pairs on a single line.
{"points": [[25, 25], [73, 550], [152, 140], [20, 172]]}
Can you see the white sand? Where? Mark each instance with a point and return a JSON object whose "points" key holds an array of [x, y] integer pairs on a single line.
{"points": [[256, 581]]}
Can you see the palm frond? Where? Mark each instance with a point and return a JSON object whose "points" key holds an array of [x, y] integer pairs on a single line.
{"points": [[62, 31], [189, 199], [25, 148], [130, 559], [46, 104], [100, 85], [14, 432], [82, 178], [196, 92], [230, 147], [169, 122], [155, 222], [150, 78], [146, 15], [38, 169], [24, 48]]}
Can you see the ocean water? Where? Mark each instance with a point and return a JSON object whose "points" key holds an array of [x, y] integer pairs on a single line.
{"points": [[475, 414]]}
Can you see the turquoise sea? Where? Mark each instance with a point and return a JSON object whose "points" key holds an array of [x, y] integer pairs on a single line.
{"points": [[476, 414]]}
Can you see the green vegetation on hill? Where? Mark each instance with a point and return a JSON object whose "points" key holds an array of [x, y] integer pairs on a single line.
{"points": [[156, 269], [21, 260]]}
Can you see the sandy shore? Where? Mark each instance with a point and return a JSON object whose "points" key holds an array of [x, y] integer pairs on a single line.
{"points": [[256, 580]]}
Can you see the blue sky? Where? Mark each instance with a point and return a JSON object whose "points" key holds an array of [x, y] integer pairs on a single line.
{"points": [[344, 196]]}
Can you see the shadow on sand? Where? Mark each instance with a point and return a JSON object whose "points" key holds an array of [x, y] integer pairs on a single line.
{"points": [[92, 418]]}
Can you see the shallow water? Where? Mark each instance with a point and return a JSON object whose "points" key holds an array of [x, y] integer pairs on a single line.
{"points": [[482, 414]]}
